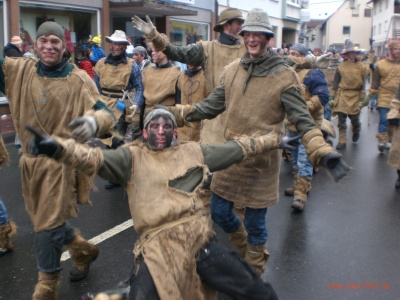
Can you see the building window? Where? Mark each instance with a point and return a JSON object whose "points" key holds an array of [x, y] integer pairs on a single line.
{"points": [[183, 33], [379, 28], [294, 1], [346, 29], [380, 6], [387, 4], [374, 31], [386, 26], [367, 12]]}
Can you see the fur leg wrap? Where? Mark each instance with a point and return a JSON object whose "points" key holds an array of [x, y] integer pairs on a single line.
{"points": [[47, 286], [82, 252], [257, 256], [239, 239], [6, 233]]}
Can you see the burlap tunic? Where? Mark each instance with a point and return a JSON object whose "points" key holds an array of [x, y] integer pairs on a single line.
{"points": [[115, 78], [193, 90], [170, 221], [253, 183], [160, 85], [50, 189], [347, 98], [389, 72], [217, 56]]}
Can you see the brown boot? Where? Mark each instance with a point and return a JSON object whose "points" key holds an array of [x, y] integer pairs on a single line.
{"points": [[239, 239], [83, 254], [6, 237], [257, 256], [303, 186], [47, 286]]}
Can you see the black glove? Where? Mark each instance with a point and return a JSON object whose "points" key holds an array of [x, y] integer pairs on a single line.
{"points": [[394, 122], [289, 142], [42, 144], [335, 165]]}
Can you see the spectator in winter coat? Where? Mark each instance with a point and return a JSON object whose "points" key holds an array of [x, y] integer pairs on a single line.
{"points": [[14, 47]]}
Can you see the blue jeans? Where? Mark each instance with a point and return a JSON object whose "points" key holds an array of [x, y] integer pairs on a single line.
{"points": [[3, 214], [328, 112], [254, 219], [49, 246], [300, 158], [383, 121]]}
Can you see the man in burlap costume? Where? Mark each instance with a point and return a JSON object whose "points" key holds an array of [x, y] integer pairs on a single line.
{"points": [[192, 84], [385, 80], [257, 92], [119, 81], [160, 81], [349, 87], [213, 56], [177, 252], [394, 120], [315, 92], [48, 94], [7, 225], [118, 78]]}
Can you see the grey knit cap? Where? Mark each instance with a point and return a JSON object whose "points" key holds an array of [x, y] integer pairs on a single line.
{"points": [[257, 21], [301, 48], [141, 50], [158, 112], [49, 28]]}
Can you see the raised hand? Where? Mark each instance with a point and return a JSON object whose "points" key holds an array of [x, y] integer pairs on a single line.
{"points": [[146, 27]]}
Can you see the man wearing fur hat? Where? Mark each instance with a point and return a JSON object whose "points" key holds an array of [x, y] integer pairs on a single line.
{"points": [[385, 81], [119, 81], [349, 86], [177, 252], [47, 94], [257, 92], [316, 95]]}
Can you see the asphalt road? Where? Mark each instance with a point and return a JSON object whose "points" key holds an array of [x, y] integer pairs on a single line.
{"points": [[345, 245]]}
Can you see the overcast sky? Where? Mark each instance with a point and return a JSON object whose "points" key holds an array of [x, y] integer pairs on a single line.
{"points": [[322, 9]]}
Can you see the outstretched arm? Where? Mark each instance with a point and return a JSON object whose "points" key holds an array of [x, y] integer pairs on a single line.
{"points": [[114, 165]]}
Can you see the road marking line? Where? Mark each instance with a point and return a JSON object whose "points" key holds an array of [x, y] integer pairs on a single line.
{"points": [[102, 237]]}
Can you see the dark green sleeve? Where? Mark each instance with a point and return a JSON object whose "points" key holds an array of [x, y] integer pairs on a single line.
{"points": [[99, 105], [2, 82], [117, 166], [296, 110], [210, 107], [221, 156], [192, 54]]}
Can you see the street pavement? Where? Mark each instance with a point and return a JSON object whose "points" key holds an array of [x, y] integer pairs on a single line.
{"points": [[345, 245]]}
